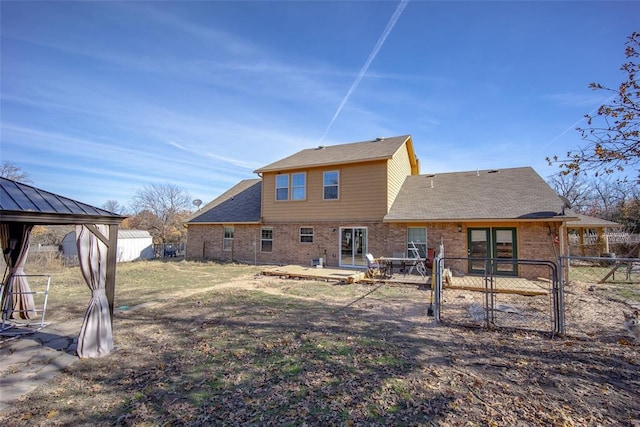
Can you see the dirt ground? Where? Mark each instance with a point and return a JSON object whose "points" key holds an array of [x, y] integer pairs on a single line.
{"points": [[268, 351]]}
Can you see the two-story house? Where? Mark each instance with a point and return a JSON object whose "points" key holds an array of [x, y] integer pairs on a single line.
{"points": [[343, 201]]}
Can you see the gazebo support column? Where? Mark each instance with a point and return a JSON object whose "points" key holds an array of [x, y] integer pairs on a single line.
{"points": [[110, 285]]}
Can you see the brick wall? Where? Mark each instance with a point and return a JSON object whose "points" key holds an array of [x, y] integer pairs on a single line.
{"points": [[205, 242]]}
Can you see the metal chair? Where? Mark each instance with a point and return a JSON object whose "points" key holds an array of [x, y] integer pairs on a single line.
{"points": [[375, 268]]}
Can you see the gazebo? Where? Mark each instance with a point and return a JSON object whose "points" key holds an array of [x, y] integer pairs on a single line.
{"points": [[21, 207], [590, 232]]}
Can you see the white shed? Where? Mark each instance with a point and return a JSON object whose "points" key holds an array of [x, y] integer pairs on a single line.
{"points": [[132, 245]]}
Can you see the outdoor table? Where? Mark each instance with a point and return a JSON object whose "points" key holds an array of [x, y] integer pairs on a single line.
{"points": [[402, 264]]}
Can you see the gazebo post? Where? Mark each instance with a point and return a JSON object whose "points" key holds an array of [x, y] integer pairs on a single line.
{"points": [[599, 241], [112, 251]]}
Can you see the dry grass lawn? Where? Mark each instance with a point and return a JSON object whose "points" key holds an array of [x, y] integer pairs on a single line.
{"points": [[220, 344]]}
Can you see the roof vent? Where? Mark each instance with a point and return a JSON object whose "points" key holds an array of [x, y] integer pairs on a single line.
{"points": [[379, 139], [321, 147], [494, 171]]}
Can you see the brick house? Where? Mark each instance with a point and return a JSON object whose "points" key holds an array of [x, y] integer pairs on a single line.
{"points": [[343, 201]]}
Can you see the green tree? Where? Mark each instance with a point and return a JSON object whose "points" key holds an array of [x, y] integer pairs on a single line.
{"points": [[613, 134]]}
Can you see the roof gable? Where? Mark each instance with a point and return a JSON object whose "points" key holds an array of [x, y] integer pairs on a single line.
{"points": [[355, 152], [240, 204], [505, 194]]}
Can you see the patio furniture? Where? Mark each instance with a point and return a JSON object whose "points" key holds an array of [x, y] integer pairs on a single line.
{"points": [[375, 268], [408, 265]]}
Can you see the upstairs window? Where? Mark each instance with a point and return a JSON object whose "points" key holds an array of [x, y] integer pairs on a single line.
{"points": [[331, 182], [282, 187], [299, 186]]}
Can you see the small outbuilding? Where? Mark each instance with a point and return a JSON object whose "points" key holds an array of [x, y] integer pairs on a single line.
{"points": [[133, 245]]}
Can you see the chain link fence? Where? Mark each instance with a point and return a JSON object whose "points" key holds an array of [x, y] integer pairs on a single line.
{"points": [[530, 299], [580, 297], [169, 250], [598, 290]]}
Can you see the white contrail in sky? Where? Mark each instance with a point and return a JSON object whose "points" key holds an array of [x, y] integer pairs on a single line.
{"points": [[573, 126], [365, 67]]}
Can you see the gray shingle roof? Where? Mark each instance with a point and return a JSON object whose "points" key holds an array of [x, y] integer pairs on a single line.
{"points": [[240, 204], [585, 221], [365, 151], [17, 198], [505, 194]]}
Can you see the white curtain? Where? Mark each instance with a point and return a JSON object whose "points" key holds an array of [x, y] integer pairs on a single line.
{"points": [[15, 244], [96, 335]]}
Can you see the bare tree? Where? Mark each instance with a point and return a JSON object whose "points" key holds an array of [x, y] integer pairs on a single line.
{"points": [[611, 199], [575, 188], [613, 135], [169, 204], [10, 171], [629, 214], [49, 235], [114, 206]]}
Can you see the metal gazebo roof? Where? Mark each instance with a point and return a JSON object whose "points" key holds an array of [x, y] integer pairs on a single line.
{"points": [[24, 203]]}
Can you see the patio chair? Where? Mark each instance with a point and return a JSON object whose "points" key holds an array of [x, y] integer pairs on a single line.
{"points": [[374, 268]]}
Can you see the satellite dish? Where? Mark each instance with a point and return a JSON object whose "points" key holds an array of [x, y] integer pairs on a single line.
{"points": [[197, 203], [566, 201]]}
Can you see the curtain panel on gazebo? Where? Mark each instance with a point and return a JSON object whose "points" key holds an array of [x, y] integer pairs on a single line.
{"points": [[96, 335], [15, 247]]}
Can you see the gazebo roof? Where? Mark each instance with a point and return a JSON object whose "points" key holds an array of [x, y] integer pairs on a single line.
{"points": [[24, 203]]}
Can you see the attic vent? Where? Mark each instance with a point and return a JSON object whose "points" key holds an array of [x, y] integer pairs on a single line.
{"points": [[494, 171], [379, 138], [321, 147], [430, 175]]}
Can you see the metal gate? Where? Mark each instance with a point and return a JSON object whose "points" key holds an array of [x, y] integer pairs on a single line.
{"points": [[530, 299]]}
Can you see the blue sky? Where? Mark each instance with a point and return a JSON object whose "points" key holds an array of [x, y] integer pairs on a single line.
{"points": [[99, 99]]}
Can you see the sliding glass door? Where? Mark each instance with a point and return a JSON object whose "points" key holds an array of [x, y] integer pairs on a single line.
{"points": [[353, 247]]}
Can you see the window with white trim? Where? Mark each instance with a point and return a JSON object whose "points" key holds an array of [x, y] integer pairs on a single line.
{"points": [[299, 186], [331, 183], [266, 239], [306, 234], [417, 239], [227, 241], [282, 187]]}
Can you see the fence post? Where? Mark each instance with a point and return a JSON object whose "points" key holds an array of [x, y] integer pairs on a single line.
{"points": [[558, 296], [437, 287]]}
